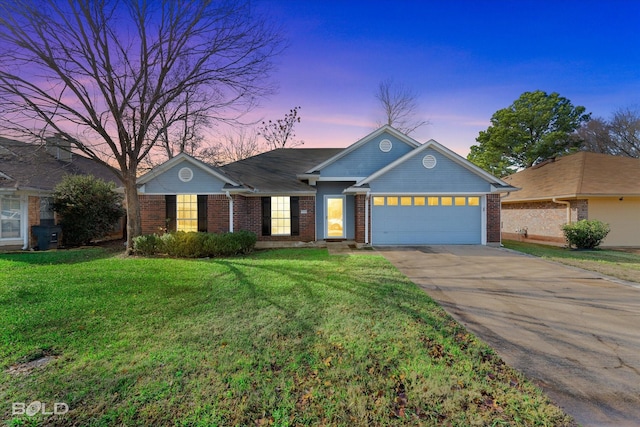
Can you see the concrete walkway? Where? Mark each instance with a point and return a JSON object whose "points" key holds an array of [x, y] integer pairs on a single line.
{"points": [[576, 334]]}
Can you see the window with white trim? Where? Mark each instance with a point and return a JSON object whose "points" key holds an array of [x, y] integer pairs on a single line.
{"points": [[10, 217]]}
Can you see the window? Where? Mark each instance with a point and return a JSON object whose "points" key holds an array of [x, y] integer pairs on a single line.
{"points": [[418, 201], [187, 212], [446, 201], [392, 201], [378, 201], [405, 201], [432, 201], [10, 217], [460, 201], [473, 201], [280, 216]]}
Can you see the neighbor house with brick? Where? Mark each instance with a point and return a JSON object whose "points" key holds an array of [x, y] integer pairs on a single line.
{"points": [[28, 176], [571, 188], [385, 189]]}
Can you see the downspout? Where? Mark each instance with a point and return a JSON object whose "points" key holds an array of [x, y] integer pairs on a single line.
{"points": [[230, 211], [367, 197], [568, 204]]}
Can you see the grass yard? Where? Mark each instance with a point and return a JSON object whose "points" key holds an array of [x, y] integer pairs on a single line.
{"points": [[624, 265], [282, 337]]}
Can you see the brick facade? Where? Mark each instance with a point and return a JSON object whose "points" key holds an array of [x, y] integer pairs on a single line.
{"points": [[540, 220], [248, 216], [217, 213], [493, 218], [153, 213], [34, 218], [360, 202]]}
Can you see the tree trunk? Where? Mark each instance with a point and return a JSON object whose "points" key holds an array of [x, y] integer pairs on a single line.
{"points": [[134, 222]]}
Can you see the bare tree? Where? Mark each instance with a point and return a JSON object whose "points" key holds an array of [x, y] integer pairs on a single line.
{"points": [[594, 136], [619, 136], [280, 134], [234, 145], [625, 131], [111, 76], [400, 107]]}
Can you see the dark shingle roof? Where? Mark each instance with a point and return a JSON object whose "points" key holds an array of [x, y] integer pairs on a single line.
{"points": [[276, 171], [29, 166]]}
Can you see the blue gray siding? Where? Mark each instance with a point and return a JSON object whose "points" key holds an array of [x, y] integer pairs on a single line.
{"points": [[366, 159], [169, 183], [446, 177], [334, 189]]}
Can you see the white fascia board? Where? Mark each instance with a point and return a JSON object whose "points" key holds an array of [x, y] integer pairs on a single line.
{"points": [[386, 128], [182, 157], [341, 178]]}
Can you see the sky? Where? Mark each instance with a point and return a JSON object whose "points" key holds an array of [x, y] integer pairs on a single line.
{"points": [[464, 59]]}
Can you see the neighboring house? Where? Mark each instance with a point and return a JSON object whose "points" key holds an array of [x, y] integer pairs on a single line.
{"points": [[571, 188], [385, 189], [28, 175]]}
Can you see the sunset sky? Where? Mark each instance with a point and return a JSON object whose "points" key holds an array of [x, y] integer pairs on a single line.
{"points": [[465, 59]]}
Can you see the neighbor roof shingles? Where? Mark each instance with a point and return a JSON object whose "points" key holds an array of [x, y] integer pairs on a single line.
{"points": [[30, 167], [579, 174]]}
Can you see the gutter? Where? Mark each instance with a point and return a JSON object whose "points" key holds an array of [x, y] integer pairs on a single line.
{"points": [[567, 204], [230, 211]]}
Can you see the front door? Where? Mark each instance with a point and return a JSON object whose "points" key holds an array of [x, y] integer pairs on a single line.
{"points": [[334, 207]]}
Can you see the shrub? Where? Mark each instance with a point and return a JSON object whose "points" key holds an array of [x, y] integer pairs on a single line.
{"points": [[196, 245], [585, 234], [88, 206], [149, 244]]}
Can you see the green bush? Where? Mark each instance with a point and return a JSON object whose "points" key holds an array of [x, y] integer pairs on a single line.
{"points": [[196, 245], [89, 208], [149, 244], [585, 234]]}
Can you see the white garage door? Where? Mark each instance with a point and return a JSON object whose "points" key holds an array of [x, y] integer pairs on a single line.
{"points": [[412, 220]]}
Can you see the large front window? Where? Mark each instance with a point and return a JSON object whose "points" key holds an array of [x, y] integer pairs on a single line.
{"points": [[187, 212], [280, 216], [10, 217]]}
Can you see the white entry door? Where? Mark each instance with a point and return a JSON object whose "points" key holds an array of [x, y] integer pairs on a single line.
{"points": [[334, 208]]}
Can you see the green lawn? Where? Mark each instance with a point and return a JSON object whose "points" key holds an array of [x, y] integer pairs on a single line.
{"points": [[621, 264], [283, 337]]}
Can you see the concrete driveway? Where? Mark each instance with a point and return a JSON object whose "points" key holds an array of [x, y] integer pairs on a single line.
{"points": [[576, 334]]}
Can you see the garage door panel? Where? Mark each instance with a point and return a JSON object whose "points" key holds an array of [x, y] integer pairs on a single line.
{"points": [[414, 225]]}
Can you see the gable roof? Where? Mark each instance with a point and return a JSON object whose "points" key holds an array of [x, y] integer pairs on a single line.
{"points": [[183, 157], [276, 171], [343, 152], [25, 166], [577, 175], [433, 144]]}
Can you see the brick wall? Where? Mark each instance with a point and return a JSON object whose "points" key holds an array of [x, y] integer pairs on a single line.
{"points": [[360, 200], [217, 213], [542, 220], [153, 213], [493, 218], [34, 218]]}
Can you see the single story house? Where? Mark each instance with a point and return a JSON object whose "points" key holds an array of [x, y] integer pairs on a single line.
{"points": [[28, 175], [385, 189], [571, 188]]}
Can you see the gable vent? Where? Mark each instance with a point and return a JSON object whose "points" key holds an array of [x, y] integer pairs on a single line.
{"points": [[429, 161], [385, 145], [185, 174]]}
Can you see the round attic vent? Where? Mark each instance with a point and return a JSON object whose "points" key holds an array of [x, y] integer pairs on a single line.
{"points": [[429, 161], [185, 174], [385, 145]]}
